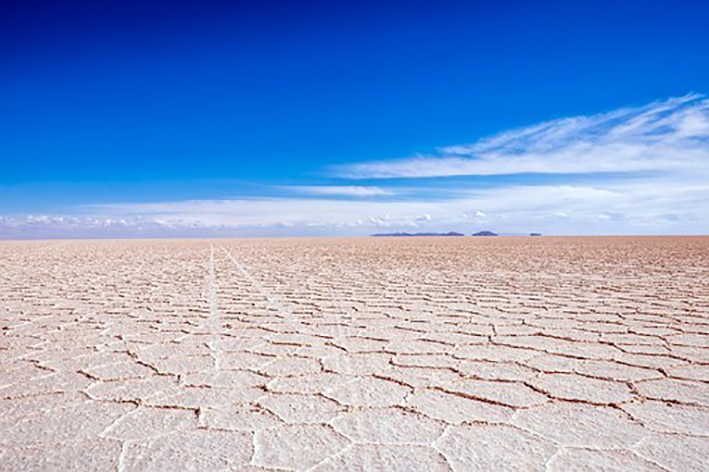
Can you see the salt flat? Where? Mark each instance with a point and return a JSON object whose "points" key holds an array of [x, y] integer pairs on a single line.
{"points": [[355, 354]]}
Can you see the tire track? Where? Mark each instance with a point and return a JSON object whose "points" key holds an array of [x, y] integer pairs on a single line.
{"points": [[272, 299], [214, 318]]}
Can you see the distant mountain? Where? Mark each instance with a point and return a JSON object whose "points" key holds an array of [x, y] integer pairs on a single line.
{"points": [[450, 233], [485, 233]]}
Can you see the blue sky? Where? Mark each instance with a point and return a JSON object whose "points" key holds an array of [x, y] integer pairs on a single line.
{"points": [[347, 118]]}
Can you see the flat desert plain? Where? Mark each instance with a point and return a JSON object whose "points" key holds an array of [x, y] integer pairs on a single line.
{"points": [[507, 353]]}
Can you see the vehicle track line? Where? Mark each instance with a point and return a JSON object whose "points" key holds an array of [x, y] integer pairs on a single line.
{"points": [[272, 299], [214, 319]]}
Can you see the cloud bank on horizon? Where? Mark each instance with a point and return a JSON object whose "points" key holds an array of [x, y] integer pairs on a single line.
{"points": [[641, 170]]}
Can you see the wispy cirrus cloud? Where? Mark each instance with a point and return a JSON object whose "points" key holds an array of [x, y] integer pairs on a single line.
{"points": [[340, 190], [669, 136]]}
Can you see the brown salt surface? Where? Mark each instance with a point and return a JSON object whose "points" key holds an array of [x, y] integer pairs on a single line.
{"points": [[355, 354]]}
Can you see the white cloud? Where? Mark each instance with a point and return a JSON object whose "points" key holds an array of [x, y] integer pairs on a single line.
{"points": [[661, 151], [670, 136], [622, 207], [652, 206], [271, 211], [342, 190]]}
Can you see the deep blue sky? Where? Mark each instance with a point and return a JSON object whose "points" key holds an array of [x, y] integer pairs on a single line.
{"points": [[117, 101]]}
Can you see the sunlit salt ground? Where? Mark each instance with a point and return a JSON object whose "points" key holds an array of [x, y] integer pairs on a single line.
{"points": [[362, 354]]}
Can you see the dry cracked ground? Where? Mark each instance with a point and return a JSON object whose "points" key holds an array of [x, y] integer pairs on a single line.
{"points": [[425, 354]]}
